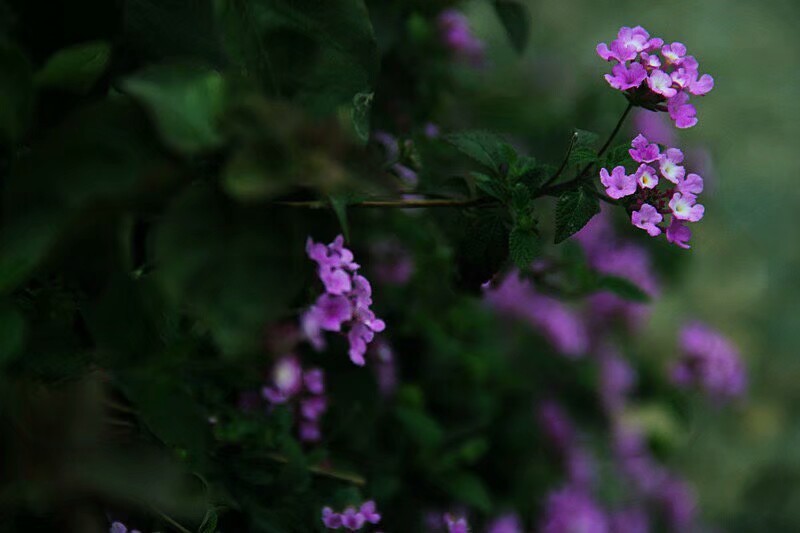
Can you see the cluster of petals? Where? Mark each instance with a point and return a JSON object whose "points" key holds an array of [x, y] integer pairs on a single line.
{"points": [[119, 527], [456, 525], [710, 362], [649, 203], [456, 35], [655, 75], [345, 305], [306, 389], [351, 518]]}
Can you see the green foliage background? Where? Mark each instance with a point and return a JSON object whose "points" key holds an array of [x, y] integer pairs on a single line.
{"points": [[142, 255]]}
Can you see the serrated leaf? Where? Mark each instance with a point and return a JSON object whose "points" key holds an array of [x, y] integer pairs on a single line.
{"points": [[516, 20], [185, 103], [76, 68], [584, 148], [486, 148], [493, 187], [16, 94], [523, 246], [574, 210], [622, 287], [523, 169]]}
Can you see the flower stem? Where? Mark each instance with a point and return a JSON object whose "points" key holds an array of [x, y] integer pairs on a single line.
{"points": [[555, 190]]}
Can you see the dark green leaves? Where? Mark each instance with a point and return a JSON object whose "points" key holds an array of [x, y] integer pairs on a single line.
{"points": [[76, 68], [185, 102], [584, 148], [574, 209], [16, 94], [486, 148], [233, 268], [523, 246], [516, 20]]}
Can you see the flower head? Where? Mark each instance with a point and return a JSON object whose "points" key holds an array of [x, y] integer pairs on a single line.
{"points": [[643, 151], [678, 233], [331, 519], [626, 77], [685, 207], [456, 35], [456, 525]]}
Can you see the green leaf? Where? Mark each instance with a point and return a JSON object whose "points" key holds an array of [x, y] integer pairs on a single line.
{"points": [[574, 209], [494, 187], [360, 114], [76, 68], [486, 148], [516, 19], [233, 268], [210, 521], [618, 155], [185, 102], [468, 489], [623, 287], [339, 203], [16, 94], [584, 148], [523, 245], [524, 169]]}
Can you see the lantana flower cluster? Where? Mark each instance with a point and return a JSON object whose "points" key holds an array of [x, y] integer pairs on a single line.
{"points": [[345, 305], [710, 362], [351, 518], [648, 202], [654, 75], [304, 389], [119, 527]]}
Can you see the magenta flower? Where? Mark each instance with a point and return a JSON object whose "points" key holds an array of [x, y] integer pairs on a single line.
{"points": [[670, 77], [507, 523], [287, 380], [618, 184], [709, 361], [352, 519], [678, 233], [624, 78], [456, 35], [648, 218], [670, 165], [331, 519], [343, 304], [456, 525], [643, 151], [314, 380], [692, 184], [681, 111], [661, 83], [571, 510], [119, 527], [646, 176], [370, 512], [685, 207]]}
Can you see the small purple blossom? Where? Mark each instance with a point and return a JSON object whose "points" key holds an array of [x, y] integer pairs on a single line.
{"points": [[617, 378], [651, 81], [646, 176], [456, 525], [647, 218], [709, 361], [643, 151], [692, 184], [507, 523], [456, 35], [678, 233], [670, 165], [287, 380], [571, 510], [618, 184], [314, 380], [344, 304], [304, 389], [624, 78], [351, 518], [119, 527], [685, 207]]}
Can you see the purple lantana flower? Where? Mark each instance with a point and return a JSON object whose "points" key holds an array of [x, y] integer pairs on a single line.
{"points": [[507, 523], [457, 36], [456, 525], [618, 184], [656, 83], [678, 233], [709, 361], [569, 510], [344, 304], [119, 527], [643, 151], [647, 218], [685, 207], [305, 391]]}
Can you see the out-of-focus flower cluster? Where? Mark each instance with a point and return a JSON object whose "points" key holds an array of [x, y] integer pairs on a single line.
{"points": [[119, 527], [710, 362], [351, 518], [304, 389], [345, 305], [649, 203], [654, 75], [456, 35]]}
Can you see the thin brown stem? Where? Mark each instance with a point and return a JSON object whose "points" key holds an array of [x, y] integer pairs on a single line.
{"points": [[390, 204]]}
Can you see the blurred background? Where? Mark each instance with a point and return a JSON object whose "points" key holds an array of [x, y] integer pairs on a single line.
{"points": [[743, 272]]}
